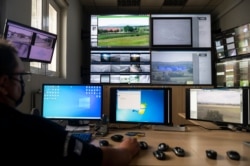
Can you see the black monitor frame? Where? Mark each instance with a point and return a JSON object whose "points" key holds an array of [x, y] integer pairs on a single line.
{"points": [[167, 113], [223, 124], [32, 44], [81, 102]]}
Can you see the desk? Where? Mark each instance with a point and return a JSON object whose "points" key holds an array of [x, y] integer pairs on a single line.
{"points": [[194, 141]]}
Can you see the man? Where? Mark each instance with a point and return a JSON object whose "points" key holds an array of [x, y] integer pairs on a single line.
{"points": [[28, 139]]}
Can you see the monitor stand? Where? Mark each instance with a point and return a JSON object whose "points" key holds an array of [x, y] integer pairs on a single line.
{"points": [[169, 128], [77, 125], [78, 122], [224, 126]]}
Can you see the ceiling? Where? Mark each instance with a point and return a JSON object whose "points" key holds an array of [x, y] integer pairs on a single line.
{"points": [[216, 7]]}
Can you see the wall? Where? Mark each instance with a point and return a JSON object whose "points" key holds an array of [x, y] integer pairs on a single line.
{"points": [[20, 11], [239, 15]]}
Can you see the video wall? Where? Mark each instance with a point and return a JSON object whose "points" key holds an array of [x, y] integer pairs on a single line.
{"points": [[151, 49], [232, 48], [233, 42]]}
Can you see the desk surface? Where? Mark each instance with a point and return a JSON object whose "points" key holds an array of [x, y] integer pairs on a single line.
{"points": [[195, 141]]}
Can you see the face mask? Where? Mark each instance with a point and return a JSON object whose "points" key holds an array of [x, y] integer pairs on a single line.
{"points": [[20, 100]]}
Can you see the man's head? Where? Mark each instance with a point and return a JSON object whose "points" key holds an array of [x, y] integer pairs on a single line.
{"points": [[11, 72]]}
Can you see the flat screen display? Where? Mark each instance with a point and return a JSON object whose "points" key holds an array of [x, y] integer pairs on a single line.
{"points": [[32, 44], [120, 66], [181, 67], [218, 105], [72, 101], [181, 30], [172, 32], [141, 105], [111, 31]]}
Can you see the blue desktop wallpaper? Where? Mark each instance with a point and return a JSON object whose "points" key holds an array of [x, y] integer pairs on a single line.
{"points": [[72, 102], [151, 108]]}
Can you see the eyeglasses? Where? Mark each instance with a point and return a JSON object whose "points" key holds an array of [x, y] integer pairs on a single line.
{"points": [[23, 76]]}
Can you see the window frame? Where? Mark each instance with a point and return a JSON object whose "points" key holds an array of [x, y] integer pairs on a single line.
{"points": [[42, 6]]}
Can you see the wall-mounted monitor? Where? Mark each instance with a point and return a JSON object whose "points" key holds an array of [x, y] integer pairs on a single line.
{"points": [[120, 66], [31, 43], [222, 106], [112, 31], [181, 67], [181, 30], [72, 101], [141, 105]]}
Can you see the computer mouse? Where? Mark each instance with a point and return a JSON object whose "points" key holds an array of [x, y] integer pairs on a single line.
{"points": [[211, 154], [233, 155], [117, 137], [163, 147], [103, 143], [160, 155], [143, 145], [179, 151]]}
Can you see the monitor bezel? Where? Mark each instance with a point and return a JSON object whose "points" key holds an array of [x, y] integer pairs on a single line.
{"points": [[167, 110]]}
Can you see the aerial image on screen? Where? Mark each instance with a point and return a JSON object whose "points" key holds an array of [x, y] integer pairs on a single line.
{"points": [[120, 30], [181, 67]]}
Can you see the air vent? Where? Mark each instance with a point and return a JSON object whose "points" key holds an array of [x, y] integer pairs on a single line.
{"points": [[123, 3], [174, 2]]}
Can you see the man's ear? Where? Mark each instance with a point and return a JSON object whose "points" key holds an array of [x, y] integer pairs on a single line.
{"points": [[3, 81]]}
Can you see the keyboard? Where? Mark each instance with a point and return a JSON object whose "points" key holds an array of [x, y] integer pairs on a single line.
{"points": [[85, 137]]}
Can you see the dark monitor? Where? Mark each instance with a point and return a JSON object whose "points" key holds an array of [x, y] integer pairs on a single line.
{"points": [[221, 106], [72, 101], [141, 105], [31, 43]]}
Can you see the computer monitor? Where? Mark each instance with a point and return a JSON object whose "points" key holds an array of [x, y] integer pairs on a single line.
{"points": [[181, 30], [181, 67], [140, 106], [120, 31], [31, 43], [124, 66], [72, 102], [222, 106]]}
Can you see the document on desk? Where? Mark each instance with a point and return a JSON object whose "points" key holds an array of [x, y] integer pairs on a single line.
{"points": [[77, 128]]}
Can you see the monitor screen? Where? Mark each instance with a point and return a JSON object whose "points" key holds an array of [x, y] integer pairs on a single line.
{"points": [[120, 66], [109, 31], [181, 30], [218, 105], [31, 43], [181, 67], [172, 32], [72, 101], [141, 105]]}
